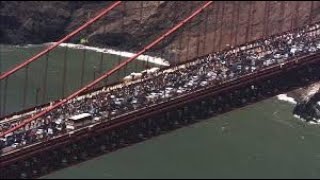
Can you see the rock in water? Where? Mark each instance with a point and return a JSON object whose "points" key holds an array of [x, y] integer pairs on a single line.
{"points": [[309, 110]]}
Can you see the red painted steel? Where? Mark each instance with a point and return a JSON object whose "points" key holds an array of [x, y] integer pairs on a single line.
{"points": [[311, 12], [249, 17], [221, 25], [266, 18], [188, 36], [237, 24], [75, 32], [205, 32], [282, 15], [198, 38], [107, 74]]}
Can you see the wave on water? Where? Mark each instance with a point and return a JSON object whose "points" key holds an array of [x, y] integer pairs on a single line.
{"points": [[298, 117], [285, 97], [31, 45], [154, 60], [313, 122]]}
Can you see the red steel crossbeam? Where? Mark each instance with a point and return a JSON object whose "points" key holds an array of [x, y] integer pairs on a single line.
{"points": [[107, 74], [73, 33]]}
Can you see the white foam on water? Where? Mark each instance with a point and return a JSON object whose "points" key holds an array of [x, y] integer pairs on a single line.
{"points": [[297, 116], [314, 122], [154, 60], [31, 45], [285, 97], [150, 59]]}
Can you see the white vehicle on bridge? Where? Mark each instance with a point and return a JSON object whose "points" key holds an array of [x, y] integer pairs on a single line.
{"points": [[78, 121]]}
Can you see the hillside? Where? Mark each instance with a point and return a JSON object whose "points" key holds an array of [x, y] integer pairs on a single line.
{"points": [[24, 22]]}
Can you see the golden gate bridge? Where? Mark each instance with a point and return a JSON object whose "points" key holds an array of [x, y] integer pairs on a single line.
{"points": [[208, 83]]}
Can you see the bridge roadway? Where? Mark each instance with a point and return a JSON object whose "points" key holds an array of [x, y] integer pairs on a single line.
{"points": [[144, 113]]}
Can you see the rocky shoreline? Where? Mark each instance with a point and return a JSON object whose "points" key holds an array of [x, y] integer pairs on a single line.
{"points": [[310, 110], [308, 103]]}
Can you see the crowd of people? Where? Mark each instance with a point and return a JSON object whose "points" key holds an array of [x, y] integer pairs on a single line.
{"points": [[157, 86]]}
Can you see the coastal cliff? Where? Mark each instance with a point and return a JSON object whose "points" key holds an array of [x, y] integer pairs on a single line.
{"points": [[229, 23]]}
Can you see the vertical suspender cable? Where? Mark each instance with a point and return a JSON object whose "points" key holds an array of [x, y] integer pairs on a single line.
{"points": [[311, 12], [122, 30], [45, 77], [189, 33], [297, 14], [249, 22], [266, 18], [25, 91], [282, 15], [1, 91], [221, 25], [198, 36], [82, 67], [233, 34], [252, 20], [178, 53], [141, 27], [64, 73], [205, 32], [238, 22], [5, 96], [216, 19], [101, 65]]}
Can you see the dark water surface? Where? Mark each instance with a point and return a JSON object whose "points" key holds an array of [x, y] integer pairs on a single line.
{"points": [[259, 141]]}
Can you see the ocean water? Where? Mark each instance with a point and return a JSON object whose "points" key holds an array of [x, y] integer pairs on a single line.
{"points": [[262, 140]]}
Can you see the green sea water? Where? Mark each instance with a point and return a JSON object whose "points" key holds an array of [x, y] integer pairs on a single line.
{"points": [[262, 140]]}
